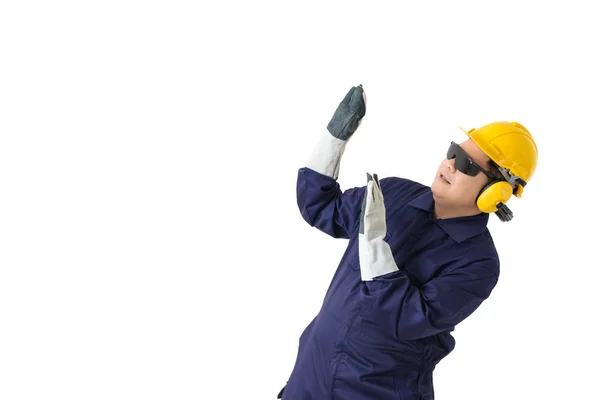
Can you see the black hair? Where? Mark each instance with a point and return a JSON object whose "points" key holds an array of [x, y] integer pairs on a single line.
{"points": [[492, 168]]}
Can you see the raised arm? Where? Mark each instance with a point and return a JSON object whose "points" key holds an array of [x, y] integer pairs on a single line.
{"points": [[320, 199]]}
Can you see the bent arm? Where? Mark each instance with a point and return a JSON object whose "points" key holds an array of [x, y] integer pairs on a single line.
{"points": [[411, 312]]}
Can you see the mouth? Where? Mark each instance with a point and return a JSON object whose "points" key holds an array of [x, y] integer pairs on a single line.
{"points": [[443, 179]]}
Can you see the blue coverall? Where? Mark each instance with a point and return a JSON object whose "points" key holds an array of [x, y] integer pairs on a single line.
{"points": [[382, 339]]}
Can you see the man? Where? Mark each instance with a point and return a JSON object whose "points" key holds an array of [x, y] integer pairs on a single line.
{"points": [[419, 260]]}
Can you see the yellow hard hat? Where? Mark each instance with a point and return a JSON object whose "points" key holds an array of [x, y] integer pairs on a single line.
{"points": [[511, 147]]}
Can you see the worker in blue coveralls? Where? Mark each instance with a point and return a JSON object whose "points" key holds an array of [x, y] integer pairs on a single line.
{"points": [[419, 260]]}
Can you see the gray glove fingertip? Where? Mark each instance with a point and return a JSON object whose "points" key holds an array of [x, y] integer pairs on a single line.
{"points": [[361, 228], [348, 98]]}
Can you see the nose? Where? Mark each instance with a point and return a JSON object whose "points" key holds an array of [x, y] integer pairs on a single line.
{"points": [[450, 165]]}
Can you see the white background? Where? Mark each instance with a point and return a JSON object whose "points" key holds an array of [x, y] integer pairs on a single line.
{"points": [[150, 242]]}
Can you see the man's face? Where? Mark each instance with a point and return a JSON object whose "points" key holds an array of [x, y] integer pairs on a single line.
{"points": [[452, 188]]}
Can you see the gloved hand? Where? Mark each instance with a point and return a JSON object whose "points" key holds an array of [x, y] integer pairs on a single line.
{"points": [[375, 255], [349, 114], [327, 154]]}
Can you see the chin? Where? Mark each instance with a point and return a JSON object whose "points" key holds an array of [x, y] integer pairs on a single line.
{"points": [[437, 186], [436, 193]]}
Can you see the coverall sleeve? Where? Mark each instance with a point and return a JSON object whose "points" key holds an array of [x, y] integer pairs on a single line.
{"points": [[324, 206], [409, 312]]}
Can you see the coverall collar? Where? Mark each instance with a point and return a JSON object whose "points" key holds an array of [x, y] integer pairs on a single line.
{"points": [[459, 228]]}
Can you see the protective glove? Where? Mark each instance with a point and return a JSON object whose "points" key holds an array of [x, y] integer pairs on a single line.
{"points": [[327, 155], [347, 117], [375, 255]]}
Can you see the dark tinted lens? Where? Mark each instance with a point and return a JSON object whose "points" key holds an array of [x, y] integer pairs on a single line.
{"points": [[461, 160]]}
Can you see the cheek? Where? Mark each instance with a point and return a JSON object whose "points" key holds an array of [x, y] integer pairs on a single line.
{"points": [[478, 184], [468, 188]]}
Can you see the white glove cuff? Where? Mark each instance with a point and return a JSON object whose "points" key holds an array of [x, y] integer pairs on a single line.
{"points": [[327, 155]]}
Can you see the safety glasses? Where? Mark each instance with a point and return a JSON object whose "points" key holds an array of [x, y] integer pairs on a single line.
{"points": [[463, 162]]}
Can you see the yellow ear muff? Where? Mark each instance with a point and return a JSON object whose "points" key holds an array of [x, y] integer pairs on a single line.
{"points": [[492, 194]]}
